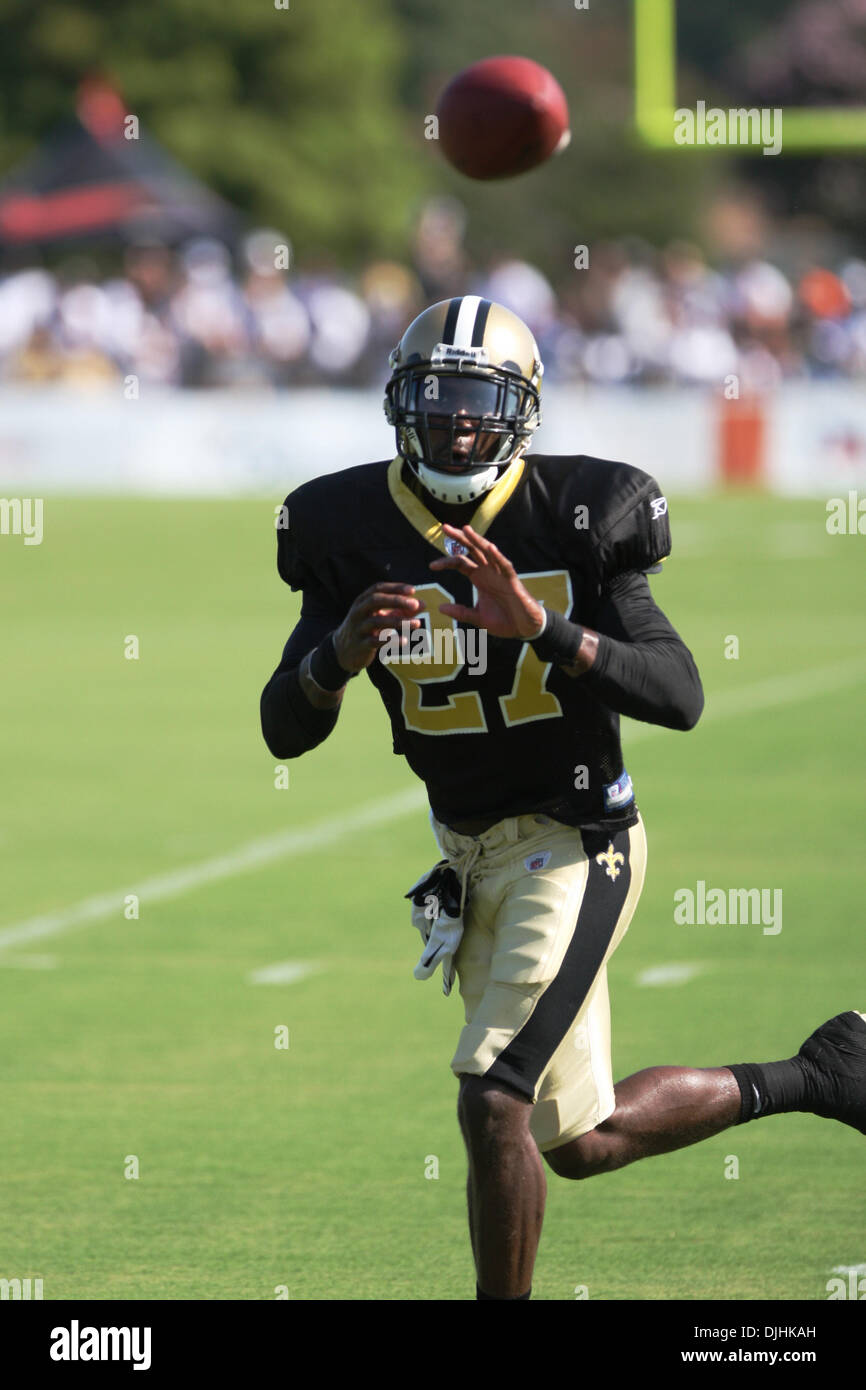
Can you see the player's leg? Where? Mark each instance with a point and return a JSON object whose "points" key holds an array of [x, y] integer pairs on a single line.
{"points": [[507, 1186], [556, 915], [506, 1183], [657, 1110], [493, 1125], [666, 1108]]}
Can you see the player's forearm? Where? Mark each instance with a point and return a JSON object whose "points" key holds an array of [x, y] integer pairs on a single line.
{"points": [[297, 712], [291, 725], [654, 681]]}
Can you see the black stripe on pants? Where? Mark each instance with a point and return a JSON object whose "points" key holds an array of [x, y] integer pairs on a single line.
{"points": [[521, 1063]]}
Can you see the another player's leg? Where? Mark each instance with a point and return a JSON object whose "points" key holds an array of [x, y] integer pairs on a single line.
{"points": [[667, 1108]]}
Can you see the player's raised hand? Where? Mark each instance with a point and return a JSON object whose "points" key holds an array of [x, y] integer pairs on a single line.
{"points": [[505, 608], [382, 607]]}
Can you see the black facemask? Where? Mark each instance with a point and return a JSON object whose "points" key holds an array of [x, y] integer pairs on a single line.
{"points": [[462, 420]]}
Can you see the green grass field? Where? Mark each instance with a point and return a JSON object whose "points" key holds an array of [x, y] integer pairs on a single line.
{"points": [[304, 1167]]}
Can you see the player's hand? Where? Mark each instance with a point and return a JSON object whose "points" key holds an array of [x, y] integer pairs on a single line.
{"points": [[381, 608], [505, 608]]}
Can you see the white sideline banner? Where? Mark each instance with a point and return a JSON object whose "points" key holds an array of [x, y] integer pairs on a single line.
{"points": [[666, 432], [220, 443], [816, 439], [227, 444], [184, 443]]}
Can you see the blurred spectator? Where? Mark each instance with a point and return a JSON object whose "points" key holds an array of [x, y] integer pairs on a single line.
{"points": [[339, 327], [521, 288], [634, 315], [440, 258], [27, 303], [280, 325]]}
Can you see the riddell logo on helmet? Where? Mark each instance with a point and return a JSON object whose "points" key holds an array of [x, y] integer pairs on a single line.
{"points": [[448, 352]]}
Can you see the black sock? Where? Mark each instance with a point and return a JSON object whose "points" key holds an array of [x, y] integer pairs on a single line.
{"points": [[771, 1088], [495, 1297]]}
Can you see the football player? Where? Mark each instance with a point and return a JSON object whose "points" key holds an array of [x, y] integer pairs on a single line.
{"points": [[499, 602]]}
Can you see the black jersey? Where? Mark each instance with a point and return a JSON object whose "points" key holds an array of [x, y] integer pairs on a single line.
{"points": [[490, 728]]}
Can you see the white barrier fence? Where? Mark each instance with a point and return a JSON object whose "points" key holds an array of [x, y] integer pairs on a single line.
{"points": [[804, 440]]}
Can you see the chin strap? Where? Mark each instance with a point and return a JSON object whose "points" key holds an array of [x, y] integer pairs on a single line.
{"points": [[457, 487]]}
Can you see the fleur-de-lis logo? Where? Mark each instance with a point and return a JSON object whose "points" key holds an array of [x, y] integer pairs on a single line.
{"points": [[610, 861]]}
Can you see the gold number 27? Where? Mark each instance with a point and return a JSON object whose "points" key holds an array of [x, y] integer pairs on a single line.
{"points": [[463, 713]]}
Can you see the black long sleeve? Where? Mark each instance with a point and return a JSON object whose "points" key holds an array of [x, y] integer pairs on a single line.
{"points": [[290, 724], [643, 668]]}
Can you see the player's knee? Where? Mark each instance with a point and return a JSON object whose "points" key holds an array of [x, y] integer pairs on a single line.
{"points": [[488, 1110], [577, 1159]]}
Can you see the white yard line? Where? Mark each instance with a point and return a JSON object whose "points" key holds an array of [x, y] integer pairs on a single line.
{"points": [[28, 962], [787, 540], [674, 973], [795, 540], [766, 694], [786, 690], [249, 856], [283, 972]]}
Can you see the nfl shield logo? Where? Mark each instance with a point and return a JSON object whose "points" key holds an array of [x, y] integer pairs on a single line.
{"points": [[537, 861], [455, 547]]}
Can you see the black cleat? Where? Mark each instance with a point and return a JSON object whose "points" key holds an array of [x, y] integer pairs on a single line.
{"points": [[834, 1060]]}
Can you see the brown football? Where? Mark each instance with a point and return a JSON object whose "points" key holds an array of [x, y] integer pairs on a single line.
{"points": [[501, 117]]}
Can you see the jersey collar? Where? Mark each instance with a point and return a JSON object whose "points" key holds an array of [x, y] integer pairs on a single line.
{"points": [[426, 523]]}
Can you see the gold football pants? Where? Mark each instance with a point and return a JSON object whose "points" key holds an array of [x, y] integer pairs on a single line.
{"points": [[548, 905]]}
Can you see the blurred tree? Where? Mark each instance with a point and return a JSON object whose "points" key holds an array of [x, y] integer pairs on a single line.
{"points": [[710, 38], [786, 54], [291, 113], [311, 118]]}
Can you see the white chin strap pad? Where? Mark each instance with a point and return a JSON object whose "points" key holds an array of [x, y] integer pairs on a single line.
{"points": [[457, 487]]}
